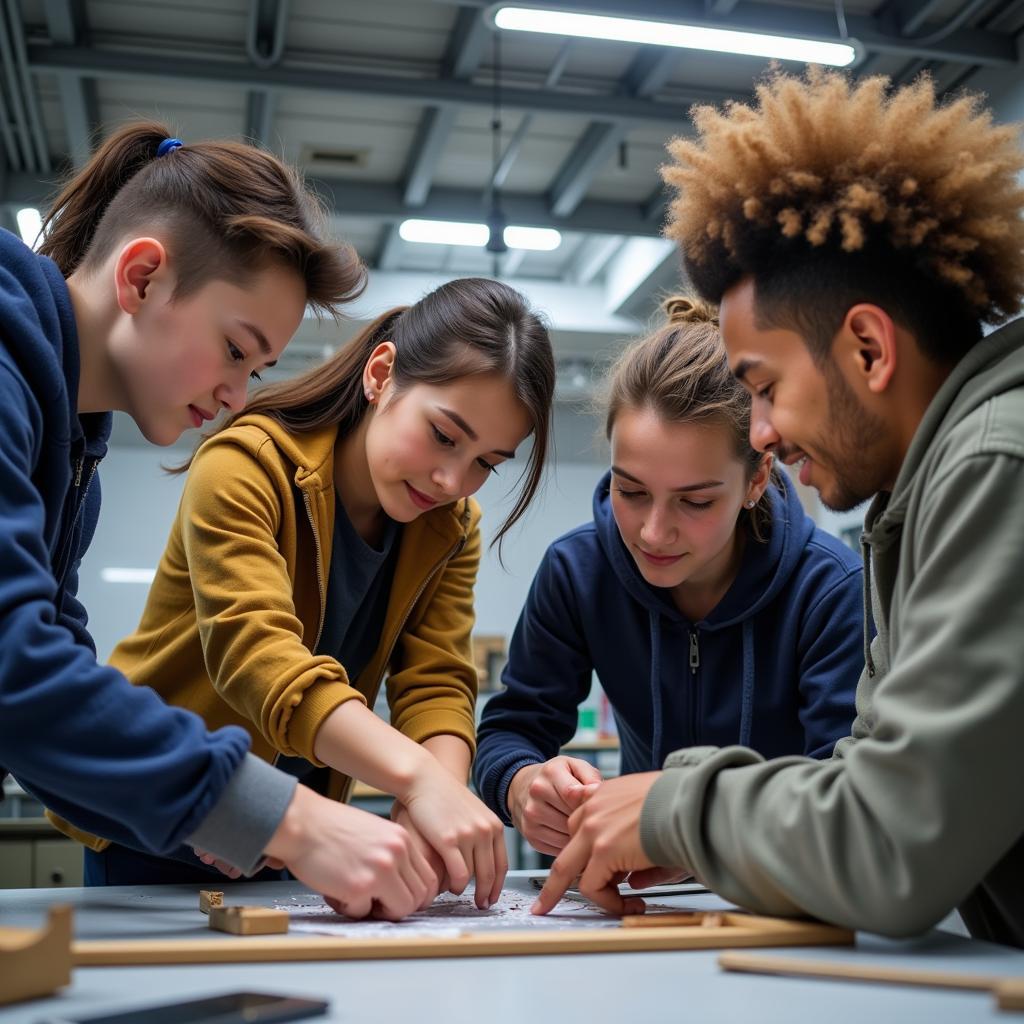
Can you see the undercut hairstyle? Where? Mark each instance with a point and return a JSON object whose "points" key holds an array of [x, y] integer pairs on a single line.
{"points": [[225, 212], [680, 372], [828, 191]]}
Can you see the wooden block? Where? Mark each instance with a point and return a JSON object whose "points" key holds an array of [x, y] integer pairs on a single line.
{"points": [[210, 898], [1010, 994], [249, 920], [36, 963]]}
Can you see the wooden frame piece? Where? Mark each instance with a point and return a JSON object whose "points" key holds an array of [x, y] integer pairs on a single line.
{"points": [[210, 898], [36, 963], [249, 920], [735, 930]]}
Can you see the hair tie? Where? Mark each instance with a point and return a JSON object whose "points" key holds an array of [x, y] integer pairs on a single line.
{"points": [[167, 145]]}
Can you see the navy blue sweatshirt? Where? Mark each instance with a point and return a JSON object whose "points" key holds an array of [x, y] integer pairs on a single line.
{"points": [[110, 757], [774, 665]]}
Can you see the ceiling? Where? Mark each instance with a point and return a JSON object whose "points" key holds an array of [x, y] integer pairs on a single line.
{"points": [[388, 108]]}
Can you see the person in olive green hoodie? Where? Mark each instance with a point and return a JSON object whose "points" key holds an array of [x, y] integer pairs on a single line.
{"points": [[325, 538], [858, 239]]}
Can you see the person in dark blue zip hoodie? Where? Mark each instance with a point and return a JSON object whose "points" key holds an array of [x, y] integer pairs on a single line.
{"points": [[166, 277], [710, 606]]}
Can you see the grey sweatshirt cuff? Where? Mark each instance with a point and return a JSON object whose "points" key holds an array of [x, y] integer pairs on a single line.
{"points": [[246, 815]]}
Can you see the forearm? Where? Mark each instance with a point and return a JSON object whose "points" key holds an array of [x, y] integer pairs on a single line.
{"points": [[452, 753], [354, 741]]}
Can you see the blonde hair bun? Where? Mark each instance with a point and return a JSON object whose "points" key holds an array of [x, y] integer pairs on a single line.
{"points": [[680, 309]]}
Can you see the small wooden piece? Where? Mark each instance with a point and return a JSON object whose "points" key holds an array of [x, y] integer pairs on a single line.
{"points": [[249, 920], [210, 898], [1009, 992], [696, 918], [36, 963]]}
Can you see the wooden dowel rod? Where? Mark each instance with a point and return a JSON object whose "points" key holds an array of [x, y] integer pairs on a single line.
{"points": [[798, 967]]}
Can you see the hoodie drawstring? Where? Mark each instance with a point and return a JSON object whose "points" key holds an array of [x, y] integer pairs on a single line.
{"points": [[747, 704], [865, 554], [656, 727]]}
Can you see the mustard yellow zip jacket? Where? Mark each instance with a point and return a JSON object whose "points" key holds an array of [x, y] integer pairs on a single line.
{"points": [[237, 604]]}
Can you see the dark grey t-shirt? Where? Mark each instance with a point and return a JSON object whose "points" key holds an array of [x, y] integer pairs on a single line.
{"points": [[358, 587]]}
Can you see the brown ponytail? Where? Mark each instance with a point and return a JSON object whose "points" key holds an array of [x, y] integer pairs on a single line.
{"points": [[681, 372], [226, 211]]}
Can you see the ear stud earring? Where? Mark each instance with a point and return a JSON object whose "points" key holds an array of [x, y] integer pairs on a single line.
{"points": [[749, 504]]}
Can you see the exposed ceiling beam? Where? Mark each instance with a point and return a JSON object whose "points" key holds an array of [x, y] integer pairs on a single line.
{"points": [[428, 145], [259, 116], [512, 261], [720, 8], [66, 23], [650, 69], [968, 45], [909, 16], [389, 250], [264, 46], [467, 45], [599, 141], [384, 202], [592, 257], [136, 64], [464, 53]]}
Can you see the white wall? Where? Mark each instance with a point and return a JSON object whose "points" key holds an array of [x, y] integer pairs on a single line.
{"points": [[140, 500]]}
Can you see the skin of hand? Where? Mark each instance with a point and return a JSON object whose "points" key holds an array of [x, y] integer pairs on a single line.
{"points": [[454, 755], [431, 787], [605, 846], [365, 866], [542, 796]]}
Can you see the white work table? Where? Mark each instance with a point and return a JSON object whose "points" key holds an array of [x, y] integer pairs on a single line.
{"points": [[615, 987]]}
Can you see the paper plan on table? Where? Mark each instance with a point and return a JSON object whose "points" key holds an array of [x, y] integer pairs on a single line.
{"points": [[448, 916]]}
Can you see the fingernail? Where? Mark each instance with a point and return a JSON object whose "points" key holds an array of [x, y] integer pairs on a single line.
{"points": [[535, 909]]}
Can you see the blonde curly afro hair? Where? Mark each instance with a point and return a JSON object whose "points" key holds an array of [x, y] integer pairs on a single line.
{"points": [[826, 172]]}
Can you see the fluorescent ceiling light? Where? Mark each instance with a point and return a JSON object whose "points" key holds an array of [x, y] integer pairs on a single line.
{"points": [[663, 33], [30, 224], [451, 232], [540, 239], [119, 575]]}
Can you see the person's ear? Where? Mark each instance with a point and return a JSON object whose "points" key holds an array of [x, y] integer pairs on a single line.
{"points": [[377, 371], [760, 480], [137, 264], [868, 340]]}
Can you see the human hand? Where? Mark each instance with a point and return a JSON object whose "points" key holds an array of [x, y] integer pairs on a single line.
{"points": [[604, 846], [468, 838], [542, 796], [364, 866], [401, 816]]}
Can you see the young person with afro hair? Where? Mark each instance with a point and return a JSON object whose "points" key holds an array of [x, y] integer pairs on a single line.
{"points": [[857, 239]]}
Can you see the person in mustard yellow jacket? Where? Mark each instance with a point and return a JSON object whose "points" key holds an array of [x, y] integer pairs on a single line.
{"points": [[326, 539]]}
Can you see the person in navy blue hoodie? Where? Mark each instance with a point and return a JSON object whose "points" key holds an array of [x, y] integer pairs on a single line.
{"points": [[710, 606], [166, 277]]}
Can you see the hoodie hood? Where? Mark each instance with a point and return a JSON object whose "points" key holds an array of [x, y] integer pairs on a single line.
{"points": [[992, 367], [40, 336], [764, 572]]}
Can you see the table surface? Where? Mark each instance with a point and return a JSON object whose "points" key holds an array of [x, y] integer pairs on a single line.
{"points": [[617, 987]]}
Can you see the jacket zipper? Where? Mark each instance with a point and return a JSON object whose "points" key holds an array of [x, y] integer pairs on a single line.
{"points": [[319, 571], [63, 558], [694, 653], [692, 690], [452, 552]]}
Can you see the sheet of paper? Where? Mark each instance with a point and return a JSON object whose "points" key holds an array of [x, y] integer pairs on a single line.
{"points": [[448, 917]]}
